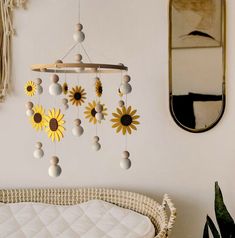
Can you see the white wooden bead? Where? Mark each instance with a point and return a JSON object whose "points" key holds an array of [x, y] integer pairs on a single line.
{"points": [[121, 103], [99, 116], [38, 145], [125, 154], [99, 108], [64, 101], [29, 105], [38, 153], [96, 146], [79, 36], [125, 163], [79, 27], [54, 78], [77, 131], [55, 89], [125, 88], [77, 122], [39, 89], [29, 113], [65, 107], [96, 139], [54, 160], [78, 57], [38, 81], [54, 171], [126, 79]]}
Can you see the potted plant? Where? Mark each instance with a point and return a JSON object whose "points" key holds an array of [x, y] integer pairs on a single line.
{"points": [[225, 221]]}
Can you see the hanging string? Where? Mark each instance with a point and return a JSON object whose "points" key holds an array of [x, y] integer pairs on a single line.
{"points": [[69, 51], [89, 59], [79, 11]]}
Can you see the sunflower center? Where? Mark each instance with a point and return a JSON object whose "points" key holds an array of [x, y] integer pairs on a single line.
{"points": [[100, 89], [93, 112], [53, 124], [29, 88], [37, 117], [126, 120], [77, 96]]}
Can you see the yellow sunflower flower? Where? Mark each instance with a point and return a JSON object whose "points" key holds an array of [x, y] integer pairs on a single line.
{"points": [[65, 88], [125, 120], [38, 118], [90, 112], [77, 95], [98, 88], [30, 88], [54, 124]]}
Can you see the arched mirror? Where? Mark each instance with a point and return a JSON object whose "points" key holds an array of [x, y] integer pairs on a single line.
{"points": [[197, 63]]}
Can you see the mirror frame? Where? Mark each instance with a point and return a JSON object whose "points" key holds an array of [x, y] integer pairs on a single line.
{"points": [[223, 45]]}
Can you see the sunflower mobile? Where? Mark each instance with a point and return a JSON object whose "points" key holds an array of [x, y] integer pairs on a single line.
{"points": [[52, 122]]}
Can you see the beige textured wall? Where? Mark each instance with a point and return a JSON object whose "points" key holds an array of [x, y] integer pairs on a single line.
{"points": [[165, 158]]}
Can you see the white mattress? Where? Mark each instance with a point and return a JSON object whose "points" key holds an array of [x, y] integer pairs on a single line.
{"points": [[93, 219]]}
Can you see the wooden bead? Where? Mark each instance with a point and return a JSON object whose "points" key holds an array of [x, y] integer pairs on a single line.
{"points": [[77, 122], [77, 131], [78, 57], [99, 108], [54, 78], [54, 171], [38, 153], [39, 89], [64, 101], [29, 113], [38, 81], [54, 160], [59, 61], [126, 79], [79, 27], [99, 116], [121, 103], [125, 154], [38, 145], [29, 105], [65, 107], [96, 139], [79, 36], [125, 163], [125, 88], [96, 146], [55, 89]]}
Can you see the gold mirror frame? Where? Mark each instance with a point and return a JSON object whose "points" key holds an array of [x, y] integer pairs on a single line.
{"points": [[223, 45]]}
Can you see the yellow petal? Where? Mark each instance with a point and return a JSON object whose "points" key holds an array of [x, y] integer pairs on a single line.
{"points": [[118, 129], [135, 122], [128, 129], [115, 125], [129, 110], [133, 112], [133, 127], [124, 130], [119, 111]]}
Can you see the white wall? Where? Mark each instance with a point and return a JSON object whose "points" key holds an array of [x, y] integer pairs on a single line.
{"points": [[165, 158]]}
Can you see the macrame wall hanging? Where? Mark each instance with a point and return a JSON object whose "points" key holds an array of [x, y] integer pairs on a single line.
{"points": [[6, 33], [67, 89]]}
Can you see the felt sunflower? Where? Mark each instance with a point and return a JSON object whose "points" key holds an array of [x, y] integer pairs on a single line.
{"points": [[65, 88], [90, 112], [38, 118], [125, 120], [30, 88], [98, 88], [54, 124], [77, 95]]}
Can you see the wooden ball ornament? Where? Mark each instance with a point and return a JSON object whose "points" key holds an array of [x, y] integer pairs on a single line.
{"points": [[38, 145], [96, 139], [65, 107], [79, 36], [99, 108], [99, 116], [65, 101], [54, 78], [38, 153], [39, 89], [121, 103], [77, 131], [55, 89], [38, 81], [54, 160], [29, 113], [125, 88], [79, 27], [78, 57], [126, 79], [77, 122], [96, 146], [54, 171], [29, 105], [125, 163], [125, 154]]}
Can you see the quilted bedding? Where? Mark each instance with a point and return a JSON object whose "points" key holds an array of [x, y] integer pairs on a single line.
{"points": [[93, 219]]}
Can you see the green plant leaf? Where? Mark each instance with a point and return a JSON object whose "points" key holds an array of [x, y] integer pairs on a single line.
{"points": [[224, 219], [213, 228], [206, 231]]}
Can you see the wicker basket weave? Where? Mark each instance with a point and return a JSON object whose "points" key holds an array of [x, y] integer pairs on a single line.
{"points": [[134, 201]]}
